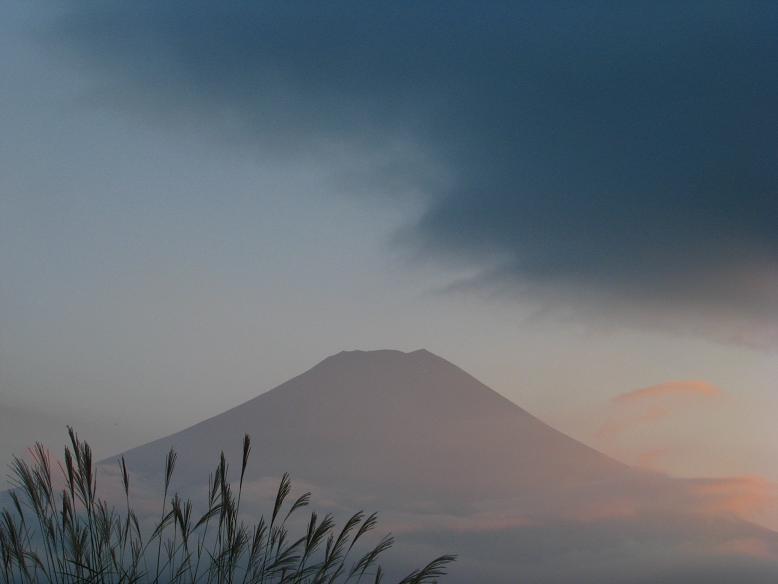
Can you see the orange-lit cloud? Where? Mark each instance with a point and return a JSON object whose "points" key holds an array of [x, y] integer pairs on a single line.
{"points": [[746, 496], [671, 388], [649, 404]]}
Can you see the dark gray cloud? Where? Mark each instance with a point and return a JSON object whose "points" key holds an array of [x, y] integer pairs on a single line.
{"points": [[619, 158]]}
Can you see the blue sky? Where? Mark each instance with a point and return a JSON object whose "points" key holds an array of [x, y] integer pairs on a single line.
{"points": [[196, 204]]}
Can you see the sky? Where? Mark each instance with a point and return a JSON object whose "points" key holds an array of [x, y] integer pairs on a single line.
{"points": [[576, 204]]}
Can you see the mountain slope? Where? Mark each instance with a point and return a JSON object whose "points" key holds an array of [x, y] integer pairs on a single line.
{"points": [[395, 422]]}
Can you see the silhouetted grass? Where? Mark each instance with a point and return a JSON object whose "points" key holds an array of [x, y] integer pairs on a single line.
{"points": [[72, 536]]}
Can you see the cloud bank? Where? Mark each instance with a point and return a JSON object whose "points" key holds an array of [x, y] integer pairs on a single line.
{"points": [[613, 160], [649, 531]]}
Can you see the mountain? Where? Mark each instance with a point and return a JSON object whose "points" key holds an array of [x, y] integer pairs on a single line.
{"points": [[387, 420], [455, 467]]}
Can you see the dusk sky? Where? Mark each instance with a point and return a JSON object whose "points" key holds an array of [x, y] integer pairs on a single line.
{"points": [[199, 200]]}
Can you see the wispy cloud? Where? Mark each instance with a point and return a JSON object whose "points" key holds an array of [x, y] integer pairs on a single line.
{"points": [[669, 389], [745, 496], [650, 404]]}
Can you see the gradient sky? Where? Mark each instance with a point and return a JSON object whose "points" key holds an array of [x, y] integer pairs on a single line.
{"points": [[199, 201]]}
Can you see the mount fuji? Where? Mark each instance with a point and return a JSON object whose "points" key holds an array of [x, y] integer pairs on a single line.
{"points": [[452, 466]]}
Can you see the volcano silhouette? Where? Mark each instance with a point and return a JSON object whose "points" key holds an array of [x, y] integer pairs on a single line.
{"points": [[455, 467], [390, 420]]}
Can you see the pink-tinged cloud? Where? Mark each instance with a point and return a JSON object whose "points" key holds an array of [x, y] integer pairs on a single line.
{"points": [[745, 497], [701, 389], [649, 404]]}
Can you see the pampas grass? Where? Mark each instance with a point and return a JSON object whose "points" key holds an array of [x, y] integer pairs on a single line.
{"points": [[72, 536]]}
